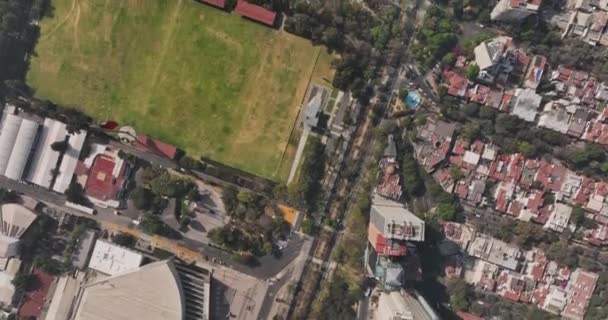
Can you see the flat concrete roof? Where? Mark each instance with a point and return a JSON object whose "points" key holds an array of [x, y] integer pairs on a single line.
{"points": [[111, 259]]}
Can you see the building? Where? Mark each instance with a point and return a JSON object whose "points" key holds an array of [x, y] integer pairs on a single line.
{"points": [[7, 274], [112, 259], [103, 174], [255, 13], [535, 72], [514, 10], [162, 290], [433, 143], [404, 305], [495, 251], [391, 224], [559, 217], [15, 219], [389, 185], [69, 162], [489, 56], [45, 158], [580, 289], [34, 301], [317, 98], [216, 3], [16, 142], [526, 104], [145, 143]]}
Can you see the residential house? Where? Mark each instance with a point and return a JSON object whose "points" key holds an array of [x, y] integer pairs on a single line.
{"points": [[514, 10]]}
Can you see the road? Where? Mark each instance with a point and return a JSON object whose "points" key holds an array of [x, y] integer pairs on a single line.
{"points": [[268, 266]]}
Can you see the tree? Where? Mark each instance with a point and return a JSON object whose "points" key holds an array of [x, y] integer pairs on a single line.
{"points": [[49, 265], [75, 193], [142, 198], [456, 173], [60, 146], [23, 281], [7, 196], [309, 227], [447, 211], [471, 131], [459, 294], [449, 59], [471, 109], [472, 72], [526, 149], [124, 239]]}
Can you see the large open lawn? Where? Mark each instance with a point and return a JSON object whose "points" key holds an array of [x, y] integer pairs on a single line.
{"points": [[207, 81]]}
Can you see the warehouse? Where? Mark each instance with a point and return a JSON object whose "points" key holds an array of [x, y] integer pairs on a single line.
{"points": [[45, 159], [22, 149]]}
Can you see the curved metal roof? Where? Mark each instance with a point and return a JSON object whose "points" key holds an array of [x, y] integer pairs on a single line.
{"points": [[21, 150], [7, 139], [151, 292]]}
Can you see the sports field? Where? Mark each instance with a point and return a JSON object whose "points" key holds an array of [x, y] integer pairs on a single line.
{"points": [[207, 81]]}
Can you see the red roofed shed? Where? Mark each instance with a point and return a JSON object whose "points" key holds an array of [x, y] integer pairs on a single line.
{"points": [[255, 12], [216, 3], [146, 143]]}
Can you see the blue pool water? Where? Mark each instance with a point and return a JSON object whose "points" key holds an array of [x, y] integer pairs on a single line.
{"points": [[412, 100]]}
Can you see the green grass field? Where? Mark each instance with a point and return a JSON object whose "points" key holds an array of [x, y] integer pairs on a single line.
{"points": [[207, 81]]}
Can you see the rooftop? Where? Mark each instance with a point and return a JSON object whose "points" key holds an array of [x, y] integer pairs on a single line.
{"points": [[111, 259], [255, 12]]}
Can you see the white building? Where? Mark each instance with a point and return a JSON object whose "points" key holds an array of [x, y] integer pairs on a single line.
{"points": [[403, 306], [111, 259], [514, 10], [15, 220], [526, 104], [70, 159], [559, 217], [162, 290], [393, 221], [495, 251], [45, 159], [28, 131]]}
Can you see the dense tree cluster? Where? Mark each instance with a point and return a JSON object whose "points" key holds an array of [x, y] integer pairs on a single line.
{"points": [[75, 193], [152, 224], [413, 183], [339, 302], [8, 196], [18, 35], [124, 239], [243, 205], [508, 132], [360, 35], [24, 281], [308, 189], [436, 37], [598, 309]]}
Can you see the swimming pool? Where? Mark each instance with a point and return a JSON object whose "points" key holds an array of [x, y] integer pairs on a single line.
{"points": [[412, 100]]}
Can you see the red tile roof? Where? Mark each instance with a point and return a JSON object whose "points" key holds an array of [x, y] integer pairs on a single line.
{"points": [[101, 183], [467, 316], [216, 3], [255, 12], [385, 246], [551, 175], [146, 143], [33, 301]]}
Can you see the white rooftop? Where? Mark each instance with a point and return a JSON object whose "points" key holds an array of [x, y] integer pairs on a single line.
{"points": [[111, 259], [558, 220]]}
